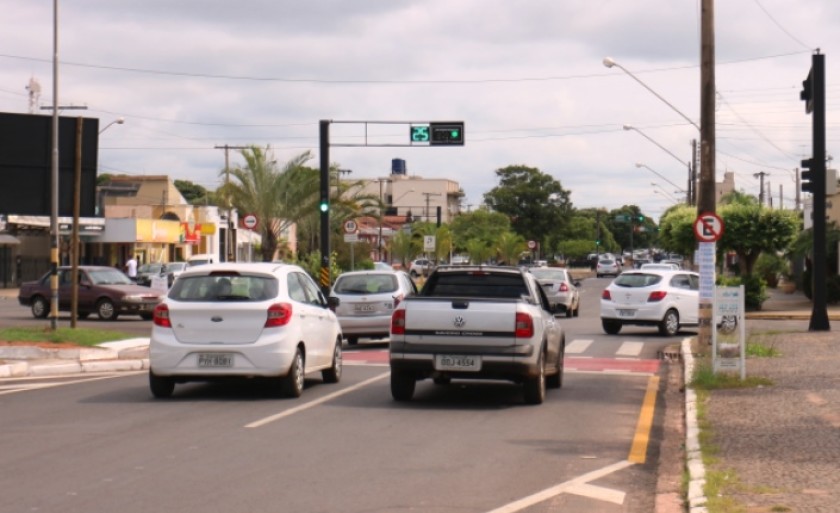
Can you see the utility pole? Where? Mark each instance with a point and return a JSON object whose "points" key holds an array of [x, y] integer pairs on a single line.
{"points": [[760, 175], [706, 199], [693, 172], [428, 195], [230, 254]]}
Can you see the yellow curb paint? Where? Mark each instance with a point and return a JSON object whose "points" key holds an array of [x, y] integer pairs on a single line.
{"points": [[640, 441]]}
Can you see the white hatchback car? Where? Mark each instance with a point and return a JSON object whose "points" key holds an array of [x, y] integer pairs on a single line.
{"points": [[261, 320], [667, 299], [366, 301]]}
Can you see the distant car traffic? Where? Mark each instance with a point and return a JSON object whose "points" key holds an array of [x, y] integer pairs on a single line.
{"points": [[560, 289], [420, 267], [250, 320], [607, 266], [105, 291], [667, 299], [367, 300]]}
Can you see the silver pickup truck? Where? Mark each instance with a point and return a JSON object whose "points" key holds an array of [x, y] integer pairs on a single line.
{"points": [[477, 322]]}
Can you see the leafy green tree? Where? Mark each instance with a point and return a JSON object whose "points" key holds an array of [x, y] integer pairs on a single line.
{"points": [[750, 229], [404, 247], [481, 224], [676, 229], [195, 194], [622, 221], [535, 202]]}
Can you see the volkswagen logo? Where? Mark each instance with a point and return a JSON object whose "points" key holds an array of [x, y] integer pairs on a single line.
{"points": [[459, 322]]}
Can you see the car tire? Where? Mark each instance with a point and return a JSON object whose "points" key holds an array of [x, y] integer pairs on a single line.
{"points": [[160, 386], [534, 388], [670, 323], [569, 311], [611, 326], [40, 307], [556, 380], [291, 385], [333, 374], [402, 385], [105, 310], [82, 315], [577, 311], [414, 274]]}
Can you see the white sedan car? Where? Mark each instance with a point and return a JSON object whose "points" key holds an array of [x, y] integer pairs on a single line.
{"points": [[667, 299], [261, 320]]}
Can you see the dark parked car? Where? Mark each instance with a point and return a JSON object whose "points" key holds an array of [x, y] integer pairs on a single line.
{"points": [[106, 291], [146, 272]]}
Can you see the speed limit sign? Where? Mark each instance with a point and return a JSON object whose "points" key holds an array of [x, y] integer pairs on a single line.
{"points": [[350, 226]]}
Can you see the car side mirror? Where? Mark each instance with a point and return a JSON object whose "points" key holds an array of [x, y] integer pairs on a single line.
{"points": [[333, 302]]}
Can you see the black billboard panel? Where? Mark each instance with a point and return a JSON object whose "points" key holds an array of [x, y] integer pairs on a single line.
{"points": [[26, 164]]}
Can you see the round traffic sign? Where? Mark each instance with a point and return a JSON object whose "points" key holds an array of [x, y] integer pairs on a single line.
{"points": [[532, 244], [250, 221], [708, 227], [350, 226]]}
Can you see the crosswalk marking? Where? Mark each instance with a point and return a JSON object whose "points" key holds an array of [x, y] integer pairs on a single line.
{"points": [[630, 349], [578, 346]]}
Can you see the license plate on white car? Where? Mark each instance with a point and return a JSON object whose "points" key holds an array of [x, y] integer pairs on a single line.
{"points": [[361, 307], [215, 360], [448, 362], [626, 313]]}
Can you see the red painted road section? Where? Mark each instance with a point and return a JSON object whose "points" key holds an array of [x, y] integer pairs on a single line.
{"points": [[380, 357]]}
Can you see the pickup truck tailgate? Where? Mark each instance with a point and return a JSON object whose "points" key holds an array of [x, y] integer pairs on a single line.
{"points": [[460, 322]]}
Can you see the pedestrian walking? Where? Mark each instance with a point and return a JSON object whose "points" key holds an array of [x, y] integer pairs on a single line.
{"points": [[131, 268]]}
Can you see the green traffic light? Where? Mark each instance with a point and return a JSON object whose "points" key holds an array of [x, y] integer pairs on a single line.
{"points": [[324, 206]]}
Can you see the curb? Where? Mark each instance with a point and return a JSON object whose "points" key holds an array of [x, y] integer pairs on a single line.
{"points": [[56, 368], [694, 459]]}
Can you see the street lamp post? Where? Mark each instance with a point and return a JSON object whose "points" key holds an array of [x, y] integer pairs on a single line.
{"points": [[669, 152]]}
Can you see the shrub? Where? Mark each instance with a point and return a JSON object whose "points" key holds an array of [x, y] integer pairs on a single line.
{"points": [[755, 289], [770, 266]]}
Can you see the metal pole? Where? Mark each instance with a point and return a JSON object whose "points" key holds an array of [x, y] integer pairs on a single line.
{"points": [[54, 240], [74, 238], [819, 313], [324, 136]]}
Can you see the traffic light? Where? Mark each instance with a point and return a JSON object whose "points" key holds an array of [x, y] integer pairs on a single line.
{"points": [[447, 134], [808, 179], [325, 205], [597, 242], [640, 218]]}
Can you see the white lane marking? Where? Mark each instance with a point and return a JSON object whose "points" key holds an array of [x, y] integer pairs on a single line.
{"points": [[571, 486], [25, 387], [630, 349], [578, 346], [598, 493], [312, 404]]}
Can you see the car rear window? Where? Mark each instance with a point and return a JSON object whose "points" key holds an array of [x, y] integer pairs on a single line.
{"points": [[224, 288], [475, 284], [607, 262], [549, 274], [366, 284], [633, 280]]}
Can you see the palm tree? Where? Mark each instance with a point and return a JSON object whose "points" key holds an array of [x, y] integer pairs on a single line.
{"points": [[509, 246], [277, 197]]}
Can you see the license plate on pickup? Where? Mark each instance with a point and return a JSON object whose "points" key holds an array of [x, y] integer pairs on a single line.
{"points": [[212, 360], [626, 313], [448, 362]]}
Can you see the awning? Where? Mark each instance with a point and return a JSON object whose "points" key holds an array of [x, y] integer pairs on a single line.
{"points": [[8, 240]]}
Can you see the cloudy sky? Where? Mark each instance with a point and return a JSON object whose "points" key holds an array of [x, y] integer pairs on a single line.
{"points": [[526, 76]]}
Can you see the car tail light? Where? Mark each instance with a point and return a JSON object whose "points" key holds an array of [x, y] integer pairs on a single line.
{"points": [[398, 322], [606, 295], [563, 287], [657, 295], [279, 314], [524, 326], [161, 316]]}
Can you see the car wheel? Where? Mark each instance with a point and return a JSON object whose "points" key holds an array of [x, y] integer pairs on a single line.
{"points": [[414, 274], [569, 311], [556, 380], [611, 326], [161, 387], [40, 307], [670, 324], [333, 374], [535, 387], [598, 275], [402, 385], [577, 310], [292, 383], [352, 341], [105, 310]]}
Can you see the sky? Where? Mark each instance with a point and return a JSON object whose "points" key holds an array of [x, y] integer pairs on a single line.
{"points": [[525, 76]]}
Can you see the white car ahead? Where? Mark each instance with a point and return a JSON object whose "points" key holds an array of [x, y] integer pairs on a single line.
{"points": [[667, 299], [260, 320]]}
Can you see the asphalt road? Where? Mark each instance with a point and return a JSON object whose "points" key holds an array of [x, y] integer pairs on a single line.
{"points": [[102, 444]]}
